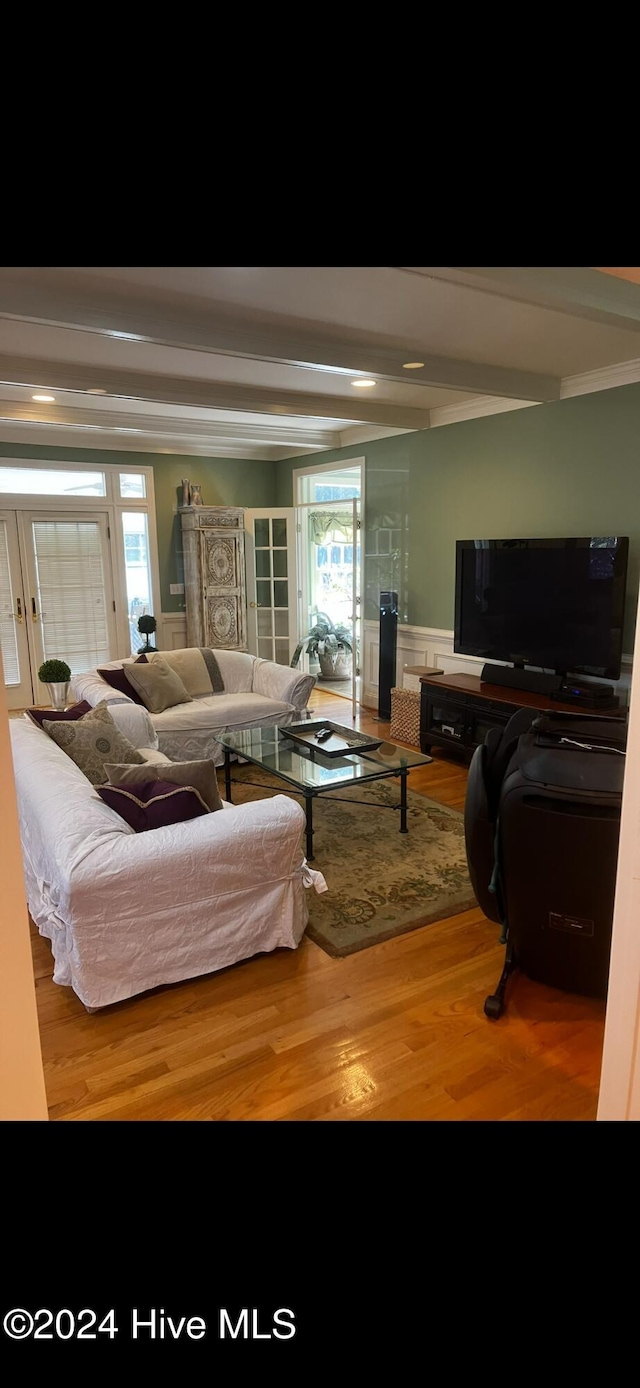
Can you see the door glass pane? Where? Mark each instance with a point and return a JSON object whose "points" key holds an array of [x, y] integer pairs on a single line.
{"points": [[280, 594], [261, 532], [8, 609], [265, 623], [263, 563], [72, 605], [136, 561], [280, 563], [32, 481], [133, 484], [263, 592], [282, 623], [282, 652], [265, 650], [280, 531]]}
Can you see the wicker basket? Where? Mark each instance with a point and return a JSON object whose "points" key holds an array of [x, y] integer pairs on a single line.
{"points": [[405, 716]]}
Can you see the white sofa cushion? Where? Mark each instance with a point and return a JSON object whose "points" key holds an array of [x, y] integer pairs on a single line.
{"points": [[221, 711]]}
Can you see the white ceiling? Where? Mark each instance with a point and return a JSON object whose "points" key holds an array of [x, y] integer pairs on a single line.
{"points": [[260, 361]]}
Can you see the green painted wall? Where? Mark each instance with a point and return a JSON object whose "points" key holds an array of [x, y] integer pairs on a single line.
{"points": [[224, 481], [571, 467]]}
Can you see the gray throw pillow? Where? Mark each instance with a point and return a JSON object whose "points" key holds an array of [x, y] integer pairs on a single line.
{"points": [[157, 684], [92, 741], [199, 774]]}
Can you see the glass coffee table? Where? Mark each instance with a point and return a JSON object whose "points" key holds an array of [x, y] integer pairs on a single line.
{"points": [[308, 773]]}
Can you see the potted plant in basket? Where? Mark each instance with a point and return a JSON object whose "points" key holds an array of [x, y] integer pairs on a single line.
{"points": [[56, 674], [332, 646]]}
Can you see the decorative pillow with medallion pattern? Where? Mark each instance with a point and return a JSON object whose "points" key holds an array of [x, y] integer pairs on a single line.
{"points": [[93, 741]]}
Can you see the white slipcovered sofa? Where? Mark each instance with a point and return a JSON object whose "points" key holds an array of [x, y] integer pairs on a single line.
{"points": [[126, 912], [256, 693]]}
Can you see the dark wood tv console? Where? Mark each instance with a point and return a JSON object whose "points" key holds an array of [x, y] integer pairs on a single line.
{"points": [[458, 710]]}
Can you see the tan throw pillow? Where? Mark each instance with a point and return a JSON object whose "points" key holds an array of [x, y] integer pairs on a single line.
{"points": [[199, 774], [92, 741], [157, 684]]}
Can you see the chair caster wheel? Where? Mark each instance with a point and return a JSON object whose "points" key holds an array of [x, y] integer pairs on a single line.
{"points": [[493, 1007]]}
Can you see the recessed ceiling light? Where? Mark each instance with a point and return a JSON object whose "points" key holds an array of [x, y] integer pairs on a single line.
{"points": [[96, 390], [363, 385], [411, 365], [45, 398]]}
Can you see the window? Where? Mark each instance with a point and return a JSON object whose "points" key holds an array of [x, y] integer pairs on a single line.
{"points": [[133, 484], [135, 547], [325, 493], [31, 481], [136, 557]]}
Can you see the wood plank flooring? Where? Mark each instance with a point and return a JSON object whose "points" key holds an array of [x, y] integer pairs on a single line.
{"points": [[396, 1032]]}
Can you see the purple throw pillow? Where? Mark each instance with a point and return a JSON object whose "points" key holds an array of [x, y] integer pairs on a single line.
{"points": [[154, 804], [118, 680], [67, 715]]}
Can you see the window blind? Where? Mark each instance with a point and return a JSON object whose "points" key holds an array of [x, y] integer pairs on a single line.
{"points": [[71, 592]]}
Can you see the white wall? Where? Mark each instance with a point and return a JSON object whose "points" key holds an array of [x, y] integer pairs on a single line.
{"points": [[22, 1092]]}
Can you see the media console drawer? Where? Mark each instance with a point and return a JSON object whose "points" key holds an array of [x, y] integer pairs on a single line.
{"points": [[485, 706]]}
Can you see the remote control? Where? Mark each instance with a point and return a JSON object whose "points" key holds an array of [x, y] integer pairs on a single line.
{"points": [[323, 734]]}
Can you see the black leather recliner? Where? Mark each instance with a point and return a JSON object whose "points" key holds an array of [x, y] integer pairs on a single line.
{"points": [[542, 823]]}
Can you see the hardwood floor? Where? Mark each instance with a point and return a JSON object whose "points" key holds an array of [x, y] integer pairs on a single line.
{"points": [[396, 1032]]}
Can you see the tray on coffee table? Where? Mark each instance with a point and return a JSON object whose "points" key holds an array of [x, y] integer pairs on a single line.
{"points": [[341, 742]]}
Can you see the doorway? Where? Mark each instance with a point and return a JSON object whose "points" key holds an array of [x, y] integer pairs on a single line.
{"points": [[329, 501]]}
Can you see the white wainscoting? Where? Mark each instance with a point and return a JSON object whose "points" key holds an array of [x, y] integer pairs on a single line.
{"points": [[173, 631], [430, 646], [433, 647]]}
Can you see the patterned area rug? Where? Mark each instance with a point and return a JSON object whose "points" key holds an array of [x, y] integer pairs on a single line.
{"points": [[381, 883]]}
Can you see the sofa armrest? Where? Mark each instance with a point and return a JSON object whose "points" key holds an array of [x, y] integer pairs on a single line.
{"points": [[231, 850], [132, 719], [90, 686], [282, 683]]}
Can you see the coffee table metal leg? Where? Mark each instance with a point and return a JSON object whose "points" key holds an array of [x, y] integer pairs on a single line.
{"points": [[403, 803], [227, 773], [309, 809]]}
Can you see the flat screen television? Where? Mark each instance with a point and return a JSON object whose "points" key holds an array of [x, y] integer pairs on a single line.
{"points": [[554, 604]]}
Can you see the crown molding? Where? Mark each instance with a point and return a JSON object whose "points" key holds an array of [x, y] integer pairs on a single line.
{"points": [[586, 383], [81, 436], [474, 409], [624, 373]]}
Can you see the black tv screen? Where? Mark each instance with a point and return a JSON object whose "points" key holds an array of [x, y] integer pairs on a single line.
{"points": [[555, 604]]}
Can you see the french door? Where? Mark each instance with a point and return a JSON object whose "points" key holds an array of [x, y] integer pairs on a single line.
{"points": [[14, 639], [56, 596], [290, 579], [272, 596]]}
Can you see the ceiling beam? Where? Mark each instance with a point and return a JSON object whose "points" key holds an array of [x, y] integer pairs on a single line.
{"points": [[581, 291], [72, 301], [177, 390]]}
